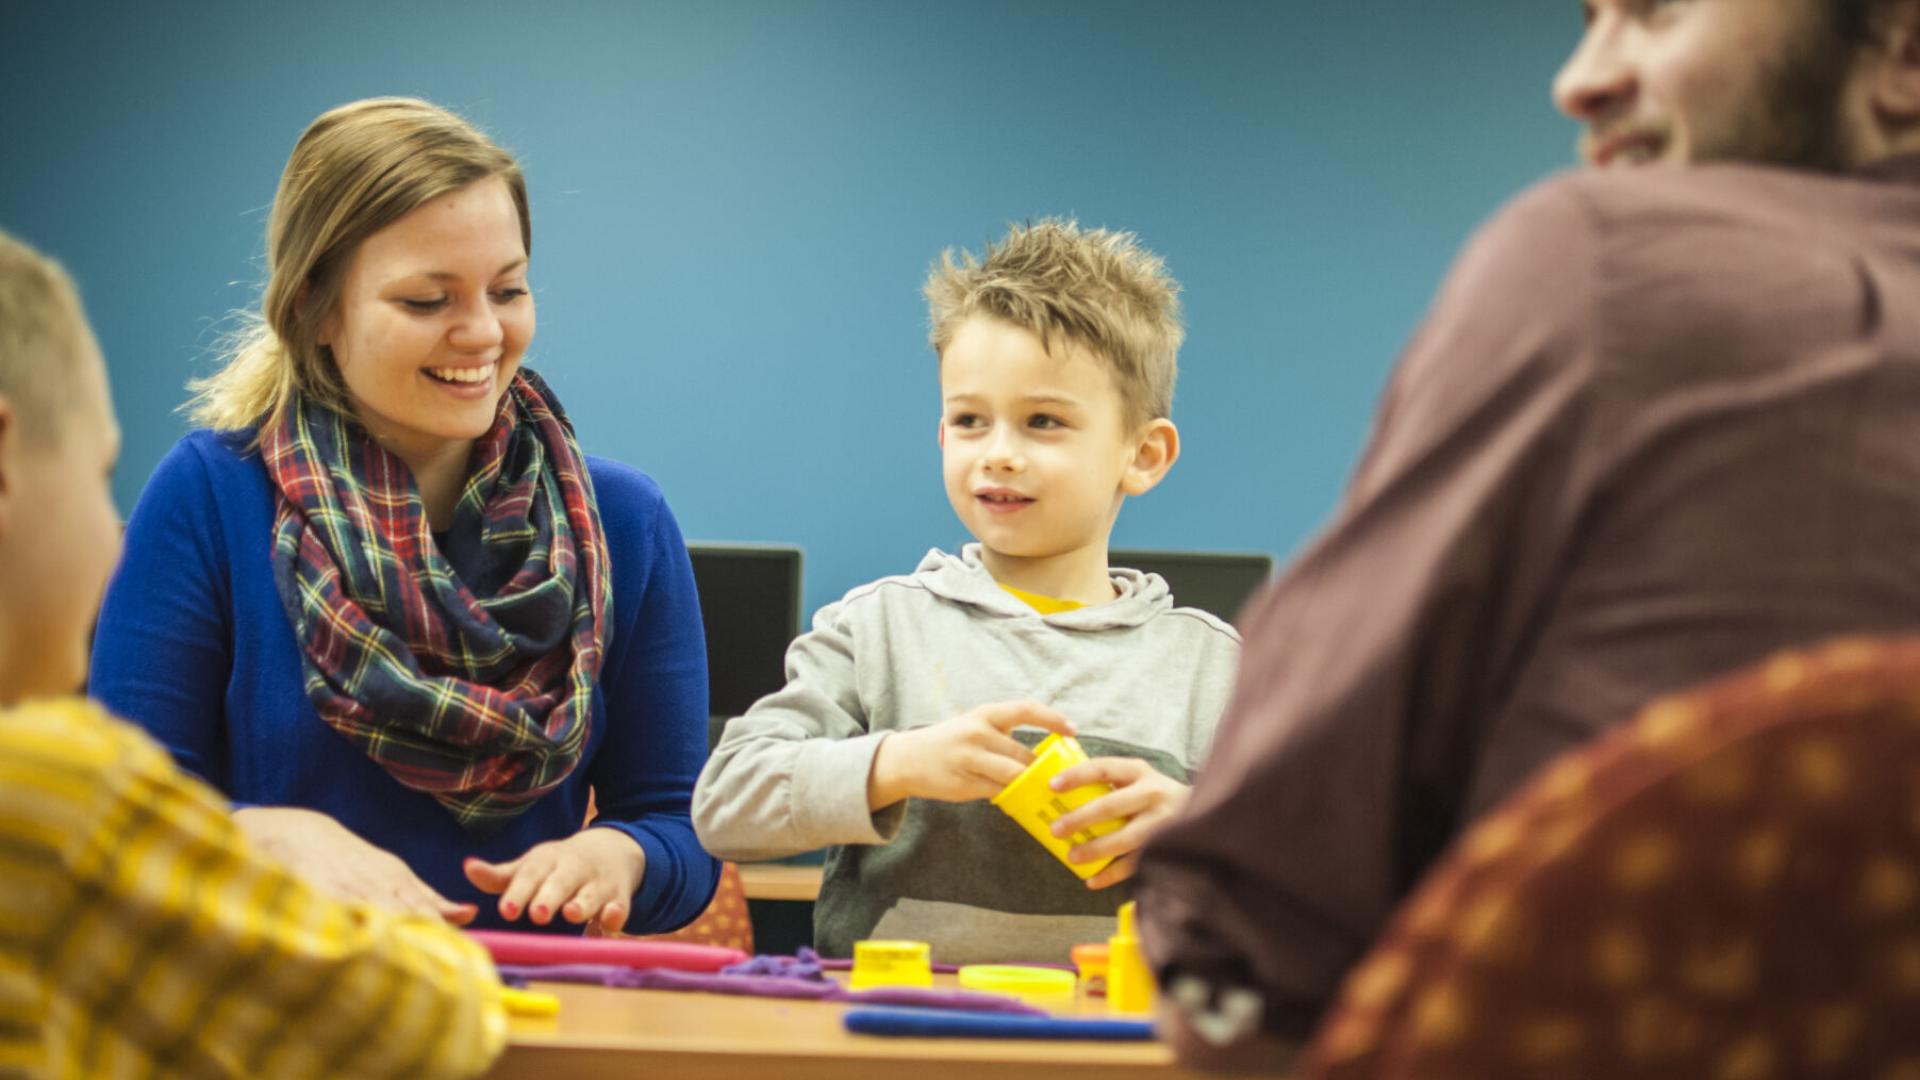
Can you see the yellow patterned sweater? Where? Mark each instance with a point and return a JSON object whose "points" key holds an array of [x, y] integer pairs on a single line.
{"points": [[141, 935]]}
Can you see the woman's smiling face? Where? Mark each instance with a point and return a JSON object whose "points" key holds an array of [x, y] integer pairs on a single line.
{"points": [[433, 319]]}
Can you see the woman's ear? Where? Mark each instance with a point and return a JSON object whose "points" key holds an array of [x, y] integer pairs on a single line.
{"points": [[1154, 452], [328, 327]]}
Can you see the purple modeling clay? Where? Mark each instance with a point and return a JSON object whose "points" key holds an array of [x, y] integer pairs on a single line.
{"points": [[749, 982]]}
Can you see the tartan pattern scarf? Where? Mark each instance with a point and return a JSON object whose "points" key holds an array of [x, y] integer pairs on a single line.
{"points": [[467, 673]]}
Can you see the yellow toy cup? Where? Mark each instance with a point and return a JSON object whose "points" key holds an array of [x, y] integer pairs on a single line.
{"points": [[1035, 806], [890, 963]]}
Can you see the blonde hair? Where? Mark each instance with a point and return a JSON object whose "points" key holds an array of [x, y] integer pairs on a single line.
{"points": [[1096, 287], [356, 169], [43, 337]]}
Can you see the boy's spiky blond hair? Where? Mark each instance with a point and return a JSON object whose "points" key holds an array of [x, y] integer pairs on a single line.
{"points": [[1095, 287]]}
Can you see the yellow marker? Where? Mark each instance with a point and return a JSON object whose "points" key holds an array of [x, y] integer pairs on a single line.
{"points": [[1129, 980], [1029, 801], [1012, 979], [890, 963], [529, 1002]]}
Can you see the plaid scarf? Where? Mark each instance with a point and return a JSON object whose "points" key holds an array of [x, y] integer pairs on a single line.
{"points": [[464, 667]]}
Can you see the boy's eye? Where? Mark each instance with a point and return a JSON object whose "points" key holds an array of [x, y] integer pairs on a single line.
{"points": [[965, 420], [423, 306], [1045, 422]]}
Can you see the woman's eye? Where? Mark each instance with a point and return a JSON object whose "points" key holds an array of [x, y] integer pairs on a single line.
{"points": [[423, 306], [508, 296]]}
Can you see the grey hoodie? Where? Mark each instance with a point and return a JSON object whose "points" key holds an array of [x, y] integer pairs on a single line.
{"points": [[1138, 677]]}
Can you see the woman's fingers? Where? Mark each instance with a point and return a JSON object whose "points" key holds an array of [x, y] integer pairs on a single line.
{"points": [[613, 917], [530, 873], [560, 881], [586, 900], [490, 878]]}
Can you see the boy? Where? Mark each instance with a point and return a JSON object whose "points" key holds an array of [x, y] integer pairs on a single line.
{"points": [[897, 723], [138, 932]]}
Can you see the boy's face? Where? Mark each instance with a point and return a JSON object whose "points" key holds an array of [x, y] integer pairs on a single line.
{"points": [[59, 536], [1034, 447]]}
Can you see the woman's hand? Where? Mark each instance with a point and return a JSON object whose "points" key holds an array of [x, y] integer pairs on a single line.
{"points": [[338, 862], [962, 758], [592, 874], [1141, 794]]}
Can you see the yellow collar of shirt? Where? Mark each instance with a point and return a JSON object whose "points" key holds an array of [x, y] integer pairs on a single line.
{"points": [[1045, 605]]}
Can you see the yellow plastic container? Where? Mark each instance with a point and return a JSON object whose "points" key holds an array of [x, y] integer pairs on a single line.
{"points": [[1035, 982], [1129, 980], [1091, 959], [890, 963], [1035, 806]]}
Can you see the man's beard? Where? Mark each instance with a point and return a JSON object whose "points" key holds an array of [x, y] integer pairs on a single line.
{"points": [[1796, 120]]}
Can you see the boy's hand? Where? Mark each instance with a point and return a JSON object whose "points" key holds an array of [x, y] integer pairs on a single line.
{"points": [[962, 758], [591, 875], [1142, 794], [339, 863]]}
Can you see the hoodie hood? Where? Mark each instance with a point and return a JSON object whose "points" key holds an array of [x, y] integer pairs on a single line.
{"points": [[964, 579]]}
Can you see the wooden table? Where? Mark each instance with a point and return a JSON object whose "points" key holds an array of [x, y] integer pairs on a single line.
{"points": [[781, 881], [657, 1034]]}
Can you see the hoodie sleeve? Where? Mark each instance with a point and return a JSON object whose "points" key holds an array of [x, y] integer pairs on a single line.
{"points": [[791, 775]]}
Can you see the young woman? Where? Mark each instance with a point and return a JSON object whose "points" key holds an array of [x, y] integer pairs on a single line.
{"points": [[384, 602]]}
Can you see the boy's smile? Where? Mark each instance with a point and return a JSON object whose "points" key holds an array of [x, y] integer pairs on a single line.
{"points": [[1001, 501], [1036, 454]]}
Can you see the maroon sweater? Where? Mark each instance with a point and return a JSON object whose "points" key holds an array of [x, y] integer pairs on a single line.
{"points": [[1657, 425]]}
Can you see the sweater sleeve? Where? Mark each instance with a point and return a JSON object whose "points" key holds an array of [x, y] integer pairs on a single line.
{"points": [[655, 687], [162, 651], [791, 775], [1342, 765], [167, 940]]}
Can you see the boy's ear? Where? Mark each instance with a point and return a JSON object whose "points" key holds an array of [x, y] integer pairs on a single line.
{"points": [[9, 461], [1154, 452], [942, 424]]}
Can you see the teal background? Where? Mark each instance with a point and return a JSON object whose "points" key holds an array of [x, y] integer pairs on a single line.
{"points": [[735, 203]]}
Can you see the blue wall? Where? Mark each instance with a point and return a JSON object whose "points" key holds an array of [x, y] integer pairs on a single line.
{"points": [[735, 202]]}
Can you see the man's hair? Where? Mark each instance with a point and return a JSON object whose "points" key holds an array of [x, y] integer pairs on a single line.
{"points": [[357, 169], [43, 336], [1859, 22], [1094, 287]]}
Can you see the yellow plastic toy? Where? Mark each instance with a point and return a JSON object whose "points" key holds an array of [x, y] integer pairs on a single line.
{"points": [[890, 963], [1091, 959], [1129, 980], [1035, 806], [528, 1002], [1021, 981]]}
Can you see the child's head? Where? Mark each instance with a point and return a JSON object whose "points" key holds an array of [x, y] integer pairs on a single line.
{"points": [[1057, 358], [1095, 288], [59, 531]]}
